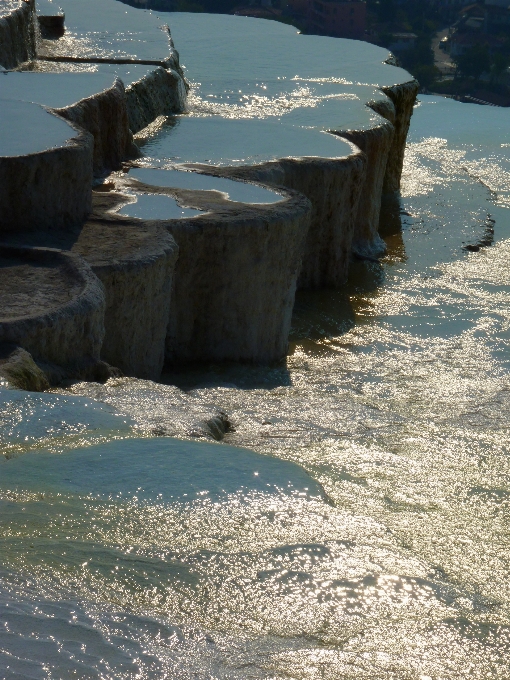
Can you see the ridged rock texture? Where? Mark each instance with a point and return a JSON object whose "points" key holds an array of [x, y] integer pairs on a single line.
{"points": [[403, 97], [17, 32], [235, 278], [105, 116], [135, 262], [47, 189], [376, 144], [52, 305], [161, 93], [333, 187], [235, 283]]}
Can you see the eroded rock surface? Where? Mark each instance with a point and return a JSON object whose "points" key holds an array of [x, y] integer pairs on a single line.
{"points": [[19, 370], [17, 32], [52, 305], [235, 278], [45, 169]]}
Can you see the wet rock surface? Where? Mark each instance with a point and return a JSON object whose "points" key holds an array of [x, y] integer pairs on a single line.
{"points": [[17, 32], [191, 273], [19, 370], [235, 277], [159, 410]]}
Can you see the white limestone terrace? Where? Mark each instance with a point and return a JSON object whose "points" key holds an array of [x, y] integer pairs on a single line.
{"points": [[240, 252], [29, 129], [49, 298], [307, 85], [263, 113], [265, 68], [106, 30], [45, 169], [60, 89], [110, 100]]}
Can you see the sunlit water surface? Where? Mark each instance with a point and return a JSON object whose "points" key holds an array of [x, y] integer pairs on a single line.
{"points": [[371, 538]]}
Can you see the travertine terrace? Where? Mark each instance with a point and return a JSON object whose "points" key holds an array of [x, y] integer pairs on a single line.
{"points": [[187, 262]]}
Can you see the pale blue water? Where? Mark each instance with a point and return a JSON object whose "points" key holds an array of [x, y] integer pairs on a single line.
{"points": [[241, 192], [107, 29], [27, 128], [387, 557], [218, 141], [62, 89], [156, 207]]}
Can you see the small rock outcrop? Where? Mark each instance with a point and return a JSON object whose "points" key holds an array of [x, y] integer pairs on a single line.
{"points": [[19, 370]]}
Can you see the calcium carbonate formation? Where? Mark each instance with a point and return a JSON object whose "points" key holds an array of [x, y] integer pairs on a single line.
{"points": [[146, 219]]}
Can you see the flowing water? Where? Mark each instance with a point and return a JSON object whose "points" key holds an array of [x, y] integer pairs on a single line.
{"points": [[366, 533]]}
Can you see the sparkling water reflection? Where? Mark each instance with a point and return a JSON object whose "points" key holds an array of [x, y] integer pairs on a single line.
{"points": [[395, 400]]}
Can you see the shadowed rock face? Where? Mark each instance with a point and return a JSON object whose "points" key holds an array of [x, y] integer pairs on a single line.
{"points": [[51, 304], [236, 275], [45, 170], [160, 93], [403, 97], [17, 33], [376, 144], [333, 187], [135, 263], [19, 370], [105, 116]]}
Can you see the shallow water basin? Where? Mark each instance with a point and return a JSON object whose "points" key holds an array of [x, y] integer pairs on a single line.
{"points": [[27, 128], [240, 192], [162, 469], [156, 207], [224, 142]]}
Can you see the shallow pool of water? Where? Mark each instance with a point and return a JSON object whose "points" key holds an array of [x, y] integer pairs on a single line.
{"points": [[218, 141], [124, 32], [27, 128], [241, 192], [156, 207], [324, 82]]}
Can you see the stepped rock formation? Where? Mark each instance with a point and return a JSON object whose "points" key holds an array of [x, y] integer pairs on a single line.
{"points": [[17, 32], [135, 263], [52, 305], [216, 282], [45, 170]]}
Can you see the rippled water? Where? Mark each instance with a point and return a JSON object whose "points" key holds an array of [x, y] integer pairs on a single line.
{"points": [[374, 540]]}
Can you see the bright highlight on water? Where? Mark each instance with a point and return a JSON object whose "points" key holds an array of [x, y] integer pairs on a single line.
{"points": [[354, 522]]}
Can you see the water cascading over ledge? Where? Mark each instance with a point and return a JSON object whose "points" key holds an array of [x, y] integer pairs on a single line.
{"points": [[17, 32], [344, 183]]}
